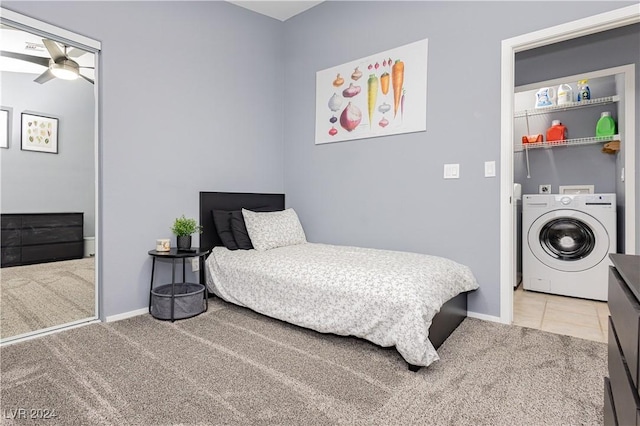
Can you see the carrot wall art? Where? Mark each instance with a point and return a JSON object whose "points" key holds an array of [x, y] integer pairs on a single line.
{"points": [[382, 94]]}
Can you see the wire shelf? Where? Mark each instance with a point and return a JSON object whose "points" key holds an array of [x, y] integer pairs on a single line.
{"points": [[567, 142], [567, 106]]}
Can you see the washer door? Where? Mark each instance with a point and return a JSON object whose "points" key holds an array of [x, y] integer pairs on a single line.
{"points": [[568, 240]]}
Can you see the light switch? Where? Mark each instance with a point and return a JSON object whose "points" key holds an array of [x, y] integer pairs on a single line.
{"points": [[489, 169], [452, 171]]}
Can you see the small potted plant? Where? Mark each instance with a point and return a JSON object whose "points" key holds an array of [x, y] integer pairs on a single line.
{"points": [[183, 228]]}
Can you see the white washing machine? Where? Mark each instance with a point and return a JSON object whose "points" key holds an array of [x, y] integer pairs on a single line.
{"points": [[566, 241]]}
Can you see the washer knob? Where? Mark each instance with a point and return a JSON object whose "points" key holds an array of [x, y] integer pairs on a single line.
{"points": [[565, 200]]}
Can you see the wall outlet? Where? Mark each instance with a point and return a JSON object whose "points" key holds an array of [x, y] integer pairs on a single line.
{"points": [[195, 264], [544, 189]]}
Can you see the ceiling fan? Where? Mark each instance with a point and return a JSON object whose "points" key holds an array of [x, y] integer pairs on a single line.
{"points": [[59, 66]]}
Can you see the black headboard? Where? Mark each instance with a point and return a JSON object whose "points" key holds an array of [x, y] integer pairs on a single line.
{"points": [[230, 201]]}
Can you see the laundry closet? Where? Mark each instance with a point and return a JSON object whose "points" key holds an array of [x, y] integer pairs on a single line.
{"points": [[574, 127], [569, 164]]}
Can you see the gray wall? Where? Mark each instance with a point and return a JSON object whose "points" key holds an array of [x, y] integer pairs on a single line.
{"points": [[606, 49], [577, 165], [251, 80], [191, 100], [388, 192], [35, 182]]}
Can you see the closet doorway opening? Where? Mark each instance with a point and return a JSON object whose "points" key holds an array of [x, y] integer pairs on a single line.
{"points": [[573, 30]]}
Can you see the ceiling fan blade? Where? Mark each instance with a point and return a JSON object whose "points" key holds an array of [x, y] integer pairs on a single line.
{"points": [[87, 68], [44, 77], [54, 50], [74, 52], [28, 58], [86, 78]]}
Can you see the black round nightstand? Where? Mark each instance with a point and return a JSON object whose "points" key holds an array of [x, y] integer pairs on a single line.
{"points": [[162, 300]]}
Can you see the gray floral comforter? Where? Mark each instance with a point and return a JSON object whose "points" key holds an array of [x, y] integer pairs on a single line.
{"points": [[386, 297]]}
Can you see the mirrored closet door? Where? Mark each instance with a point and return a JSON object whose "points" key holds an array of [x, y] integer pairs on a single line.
{"points": [[48, 175]]}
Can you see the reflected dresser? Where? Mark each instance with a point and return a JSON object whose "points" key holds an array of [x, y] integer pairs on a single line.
{"points": [[41, 237]]}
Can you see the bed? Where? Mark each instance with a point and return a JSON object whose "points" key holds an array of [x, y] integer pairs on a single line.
{"points": [[362, 297]]}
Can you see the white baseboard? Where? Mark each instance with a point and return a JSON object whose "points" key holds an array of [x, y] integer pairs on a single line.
{"points": [[126, 315], [483, 317], [143, 311]]}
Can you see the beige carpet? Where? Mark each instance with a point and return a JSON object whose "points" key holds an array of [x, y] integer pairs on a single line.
{"points": [[34, 297], [231, 366]]}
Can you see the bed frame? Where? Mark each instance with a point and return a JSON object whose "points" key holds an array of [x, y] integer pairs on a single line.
{"points": [[444, 323]]}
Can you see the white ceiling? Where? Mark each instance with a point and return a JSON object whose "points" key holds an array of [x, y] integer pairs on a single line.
{"points": [[281, 10]]}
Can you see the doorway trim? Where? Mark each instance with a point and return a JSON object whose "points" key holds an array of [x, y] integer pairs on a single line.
{"points": [[35, 26], [575, 29]]}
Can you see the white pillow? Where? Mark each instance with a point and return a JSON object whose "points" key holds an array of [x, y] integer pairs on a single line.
{"points": [[269, 230]]}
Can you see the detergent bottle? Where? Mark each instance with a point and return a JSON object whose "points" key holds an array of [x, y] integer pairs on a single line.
{"points": [[565, 94], [557, 132], [584, 93], [545, 97], [606, 125]]}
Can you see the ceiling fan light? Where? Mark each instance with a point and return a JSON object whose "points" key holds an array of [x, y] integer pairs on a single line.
{"points": [[64, 70]]}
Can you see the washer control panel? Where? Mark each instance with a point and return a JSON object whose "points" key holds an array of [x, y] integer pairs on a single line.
{"points": [[572, 201], [600, 200]]}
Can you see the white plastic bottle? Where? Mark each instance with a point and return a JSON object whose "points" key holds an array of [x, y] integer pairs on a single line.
{"points": [[565, 94]]}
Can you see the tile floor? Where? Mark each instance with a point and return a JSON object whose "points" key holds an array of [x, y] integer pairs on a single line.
{"points": [[586, 319]]}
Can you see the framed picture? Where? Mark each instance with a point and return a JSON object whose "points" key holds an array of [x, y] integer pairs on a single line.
{"points": [[379, 95], [5, 127], [39, 133]]}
